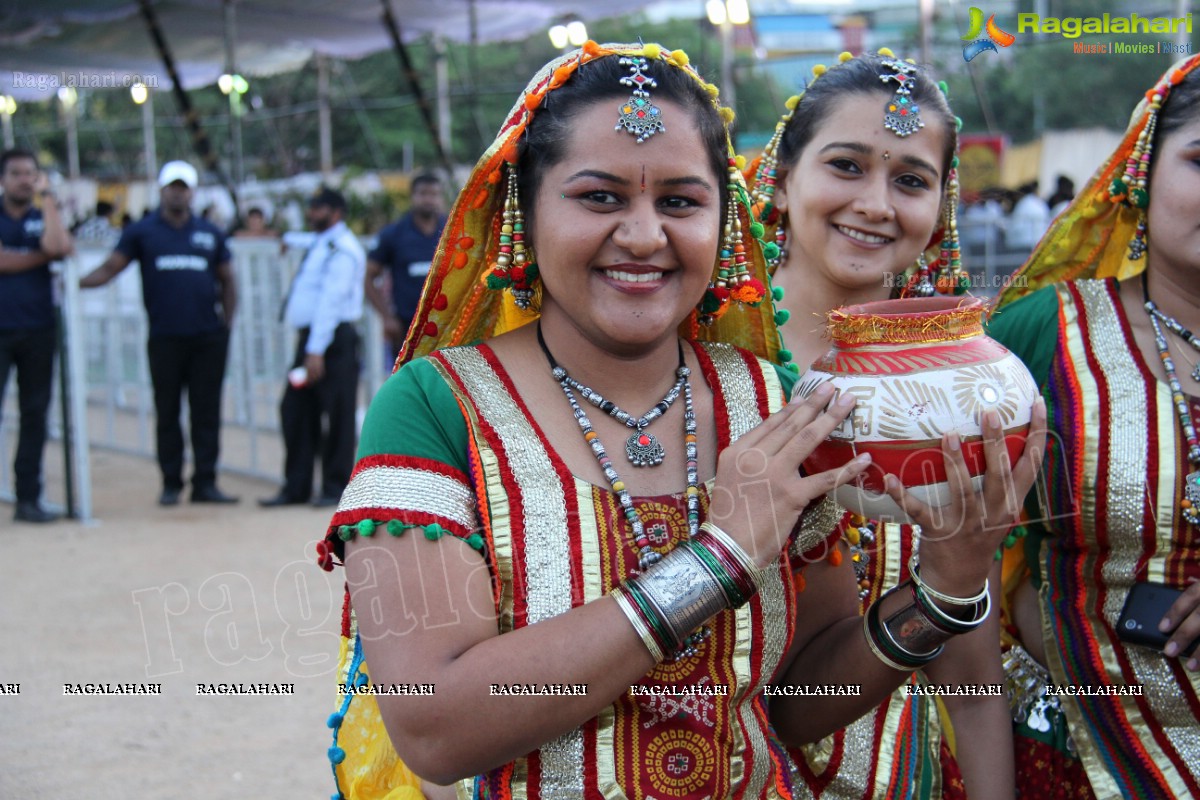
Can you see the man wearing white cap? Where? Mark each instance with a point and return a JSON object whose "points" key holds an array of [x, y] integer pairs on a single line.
{"points": [[189, 293]]}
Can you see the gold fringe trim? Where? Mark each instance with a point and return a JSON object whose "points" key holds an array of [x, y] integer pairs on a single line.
{"points": [[849, 329]]}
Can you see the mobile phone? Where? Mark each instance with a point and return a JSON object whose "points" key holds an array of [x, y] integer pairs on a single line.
{"points": [[1145, 607]]}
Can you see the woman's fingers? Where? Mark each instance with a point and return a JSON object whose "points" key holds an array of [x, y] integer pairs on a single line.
{"points": [[1184, 618], [797, 441], [772, 434]]}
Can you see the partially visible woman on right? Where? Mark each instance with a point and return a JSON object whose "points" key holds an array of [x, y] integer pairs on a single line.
{"points": [[1111, 347]]}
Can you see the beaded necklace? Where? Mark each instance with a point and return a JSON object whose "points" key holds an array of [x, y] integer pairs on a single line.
{"points": [[1190, 504], [641, 448], [646, 555]]}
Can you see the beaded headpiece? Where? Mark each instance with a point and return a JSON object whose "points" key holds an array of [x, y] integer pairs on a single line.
{"points": [[1102, 233], [484, 236]]}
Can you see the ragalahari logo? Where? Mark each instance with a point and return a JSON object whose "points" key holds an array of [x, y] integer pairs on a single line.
{"points": [[994, 37]]}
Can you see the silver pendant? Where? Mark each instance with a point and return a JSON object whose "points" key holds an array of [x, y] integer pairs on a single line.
{"points": [[1191, 491], [644, 450]]}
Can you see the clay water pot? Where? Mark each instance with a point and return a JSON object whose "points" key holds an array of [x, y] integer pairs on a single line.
{"points": [[920, 368]]}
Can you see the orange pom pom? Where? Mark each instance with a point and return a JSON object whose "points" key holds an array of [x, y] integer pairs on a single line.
{"points": [[460, 260], [509, 153], [466, 243], [493, 176], [480, 199], [532, 101], [561, 76], [835, 557], [592, 49]]}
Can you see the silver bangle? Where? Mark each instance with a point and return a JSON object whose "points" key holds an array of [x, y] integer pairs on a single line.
{"points": [[879, 653], [683, 591], [949, 599]]}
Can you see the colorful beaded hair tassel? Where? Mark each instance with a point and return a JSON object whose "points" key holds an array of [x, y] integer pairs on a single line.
{"points": [[733, 280], [1130, 187], [513, 270]]}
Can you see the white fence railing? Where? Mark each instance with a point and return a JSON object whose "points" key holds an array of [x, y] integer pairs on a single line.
{"points": [[106, 377]]}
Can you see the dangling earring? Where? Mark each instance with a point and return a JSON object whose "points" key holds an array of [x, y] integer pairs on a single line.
{"points": [[732, 280], [920, 285], [1138, 244], [514, 269], [780, 253]]}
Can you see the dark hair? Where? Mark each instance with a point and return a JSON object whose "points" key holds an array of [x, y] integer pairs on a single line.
{"points": [[14, 154], [543, 143], [424, 178], [256, 210], [860, 76]]}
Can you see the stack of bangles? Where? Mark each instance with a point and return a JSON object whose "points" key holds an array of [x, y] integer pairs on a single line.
{"points": [[916, 634], [669, 603]]}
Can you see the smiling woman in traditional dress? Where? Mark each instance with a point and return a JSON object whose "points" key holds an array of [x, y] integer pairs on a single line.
{"points": [[576, 521], [857, 181]]}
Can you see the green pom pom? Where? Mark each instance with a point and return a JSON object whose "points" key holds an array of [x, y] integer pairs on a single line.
{"points": [[709, 303], [782, 316], [785, 355], [496, 283], [531, 272], [794, 367], [1009, 541], [1118, 188], [945, 88], [770, 251], [433, 531], [954, 163], [999, 555], [346, 532], [777, 293], [366, 527], [1139, 198], [475, 540], [395, 527], [958, 123], [767, 208], [757, 230]]}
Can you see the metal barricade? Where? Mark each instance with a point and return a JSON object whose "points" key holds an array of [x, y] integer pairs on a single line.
{"points": [[109, 396]]}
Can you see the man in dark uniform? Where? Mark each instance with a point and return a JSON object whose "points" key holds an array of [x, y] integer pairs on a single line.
{"points": [[188, 290], [29, 240], [405, 249]]}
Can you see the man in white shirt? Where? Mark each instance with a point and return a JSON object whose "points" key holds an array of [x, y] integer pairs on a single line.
{"points": [[1029, 219], [325, 301]]}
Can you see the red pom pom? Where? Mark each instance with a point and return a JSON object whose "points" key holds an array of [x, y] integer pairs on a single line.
{"points": [[430, 329], [720, 292], [322, 549], [518, 275], [440, 302]]}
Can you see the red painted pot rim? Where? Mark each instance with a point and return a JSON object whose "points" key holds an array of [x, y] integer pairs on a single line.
{"points": [[914, 320]]}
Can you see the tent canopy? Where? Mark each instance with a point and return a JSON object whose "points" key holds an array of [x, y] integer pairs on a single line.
{"points": [[105, 43]]}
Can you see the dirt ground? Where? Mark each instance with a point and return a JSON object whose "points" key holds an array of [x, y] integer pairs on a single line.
{"points": [[178, 597]]}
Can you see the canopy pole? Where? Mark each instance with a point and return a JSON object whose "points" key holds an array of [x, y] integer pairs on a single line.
{"points": [[200, 142], [324, 119], [410, 74]]}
